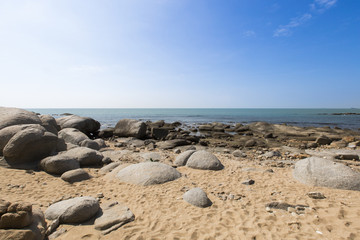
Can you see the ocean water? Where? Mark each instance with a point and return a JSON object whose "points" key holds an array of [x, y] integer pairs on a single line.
{"points": [[299, 117]]}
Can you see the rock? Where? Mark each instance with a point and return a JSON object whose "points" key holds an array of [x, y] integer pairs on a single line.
{"points": [[148, 173], [272, 154], [339, 144], [72, 135], [84, 124], [177, 151], [323, 140], [49, 123], [250, 143], [112, 217], [279, 205], [316, 195], [16, 116], [106, 133], [347, 156], [59, 164], [197, 197], [312, 145], [204, 160], [57, 233], [182, 159], [130, 128], [85, 156], [3, 206], [76, 175], [169, 144], [29, 145], [326, 173], [159, 133], [239, 153], [90, 144], [74, 210], [35, 231], [205, 128], [8, 132], [18, 215], [101, 143], [109, 168], [248, 182]]}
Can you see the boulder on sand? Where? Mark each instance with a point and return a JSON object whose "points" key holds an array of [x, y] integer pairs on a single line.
{"points": [[197, 197], [85, 156], [326, 173], [130, 128], [72, 135], [29, 145], [148, 173], [16, 116], [84, 124], [169, 144], [59, 164], [182, 159], [74, 210], [204, 160], [76, 175]]}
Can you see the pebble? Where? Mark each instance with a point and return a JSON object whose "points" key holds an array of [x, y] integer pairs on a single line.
{"points": [[316, 195], [248, 182]]}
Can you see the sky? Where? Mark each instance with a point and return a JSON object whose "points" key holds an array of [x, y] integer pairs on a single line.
{"points": [[180, 53]]}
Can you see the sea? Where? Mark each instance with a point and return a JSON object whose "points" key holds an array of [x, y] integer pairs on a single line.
{"points": [[108, 117]]}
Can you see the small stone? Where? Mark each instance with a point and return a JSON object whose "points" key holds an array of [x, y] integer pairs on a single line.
{"points": [[268, 209], [248, 182], [100, 195], [316, 195], [177, 151]]}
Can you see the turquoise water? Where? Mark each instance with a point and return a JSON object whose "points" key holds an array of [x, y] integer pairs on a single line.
{"points": [[299, 117]]}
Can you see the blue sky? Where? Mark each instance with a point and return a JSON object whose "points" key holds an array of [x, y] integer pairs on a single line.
{"points": [[180, 53]]}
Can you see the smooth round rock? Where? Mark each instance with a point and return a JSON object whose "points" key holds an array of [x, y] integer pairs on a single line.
{"points": [[197, 197]]}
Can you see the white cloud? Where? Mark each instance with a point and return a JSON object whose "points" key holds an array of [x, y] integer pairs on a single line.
{"points": [[295, 22], [249, 33], [317, 6]]}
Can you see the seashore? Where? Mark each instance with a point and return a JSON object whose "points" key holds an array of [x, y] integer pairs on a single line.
{"points": [[253, 196]]}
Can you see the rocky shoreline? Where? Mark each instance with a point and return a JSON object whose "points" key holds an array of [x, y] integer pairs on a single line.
{"points": [[112, 180]]}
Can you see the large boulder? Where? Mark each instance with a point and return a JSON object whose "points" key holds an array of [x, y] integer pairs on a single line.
{"points": [[182, 159], [326, 173], [113, 216], [8, 132], [59, 164], [89, 143], [29, 145], [148, 173], [49, 123], [16, 116], [18, 215], [130, 128], [197, 197], [72, 135], [204, 160], [74, 210], [85, 156], [84, 124]]}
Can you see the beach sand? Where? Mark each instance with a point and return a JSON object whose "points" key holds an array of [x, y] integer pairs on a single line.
{"points": [[161, 213]]}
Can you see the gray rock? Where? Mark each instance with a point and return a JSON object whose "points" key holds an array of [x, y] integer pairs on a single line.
{"points": [[59, 164], [29, 145], [101, 143], [8, 132], [204, 160], [106, 133], [74, 210], [85, 156], [239, 153], [250, 143], [248, 182], [76, 175], [130, 128], [148, 173], [197, 197], [112, 217], [159, 133], [169, 144], [326, 173], [72, 135], [182, 159], [316, 195], [49, 123], [272, 154], [109, 168], [16, 116], [323, 140], [84, 124], [90, 144]]}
